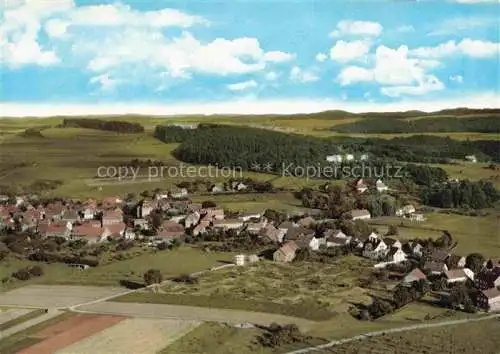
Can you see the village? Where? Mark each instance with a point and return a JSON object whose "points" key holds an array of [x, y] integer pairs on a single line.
{"points": [[166, 219]]}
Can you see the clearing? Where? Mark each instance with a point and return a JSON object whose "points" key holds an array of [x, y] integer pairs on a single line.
{"points": [[315, 291], [473, 233]]}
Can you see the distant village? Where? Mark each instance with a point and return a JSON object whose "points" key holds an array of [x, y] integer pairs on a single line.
{"points": [[170, 217]]}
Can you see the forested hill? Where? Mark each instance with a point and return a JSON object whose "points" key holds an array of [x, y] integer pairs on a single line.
{"points": [[481, 124], [241, 146]]}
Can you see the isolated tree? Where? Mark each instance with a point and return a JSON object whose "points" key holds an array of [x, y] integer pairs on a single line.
{"points": [[208, 204], [392, 230], [474, 262], [156, 219], [153, 276]]}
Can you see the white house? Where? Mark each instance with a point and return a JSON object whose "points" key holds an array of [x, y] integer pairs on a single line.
{"points": [[360, 214], [375, 250], [396, 255], [363, 157], [406, 210], [372, 237], [309, 241], [192, 219], [182, 193], [471, 158], [361, 186], [417, 217], [250, 216], [458, 275], [228, 224], [334, 158], [381, 187], [89, 213], [349, 157]]}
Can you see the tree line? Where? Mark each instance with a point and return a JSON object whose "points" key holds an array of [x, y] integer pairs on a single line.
{"points": [[463, 194], [479, 124], [109, 125]]}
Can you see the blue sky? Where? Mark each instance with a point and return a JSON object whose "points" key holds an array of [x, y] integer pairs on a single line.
{"points": [[281, 55]]}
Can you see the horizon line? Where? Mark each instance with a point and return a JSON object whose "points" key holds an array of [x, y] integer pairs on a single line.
{"points": [[240, 107]]}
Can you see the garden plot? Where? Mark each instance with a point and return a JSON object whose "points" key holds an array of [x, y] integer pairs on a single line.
{"points": [[134, 336]]}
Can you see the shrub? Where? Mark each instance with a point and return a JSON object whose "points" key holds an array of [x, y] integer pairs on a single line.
{"points": [[22, 274], [35, 271]]}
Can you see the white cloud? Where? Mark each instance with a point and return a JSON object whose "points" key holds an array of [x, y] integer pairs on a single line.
{"points": [[180, 57], [105, 82], [123, 15], [457, 78], [271, 76], [393, 68], [321, 57], [467, 46], [278, 57], [19, 31], [405, 29], [455, 25], [24, 19], [344, 51], [427, 84], [241, 86], [56, 28], [353, 74], [357, 28], [303, 76]]}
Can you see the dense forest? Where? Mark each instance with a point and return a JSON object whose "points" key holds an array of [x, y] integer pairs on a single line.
{"points": [[110, 125], [173, 133], [243, 147], [463, 194], [227, 145], [480, 124]]}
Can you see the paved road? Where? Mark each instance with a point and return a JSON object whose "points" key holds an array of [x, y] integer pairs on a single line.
{"points": [[388, 331], [34, 321], [190, 313]]}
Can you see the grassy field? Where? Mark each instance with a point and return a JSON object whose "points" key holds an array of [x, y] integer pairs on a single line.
{"points": [[463, 338], [216, 338], [474, 234], [171, 263], [74, 155], [310, 290], [473, 172]]}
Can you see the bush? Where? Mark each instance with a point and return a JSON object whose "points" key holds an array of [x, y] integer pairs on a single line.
{"points": [[186, 279], [277, 335], [22, 274], [35, 271]]}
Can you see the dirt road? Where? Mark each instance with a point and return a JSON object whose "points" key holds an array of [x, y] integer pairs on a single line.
{"points": [[388, 331]]}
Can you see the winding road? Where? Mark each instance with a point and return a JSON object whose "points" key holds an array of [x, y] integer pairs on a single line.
{"points": [[388, 331]]}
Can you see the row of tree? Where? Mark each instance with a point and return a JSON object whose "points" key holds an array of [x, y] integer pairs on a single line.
{"points": [[99, 124], [481, 123]]}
